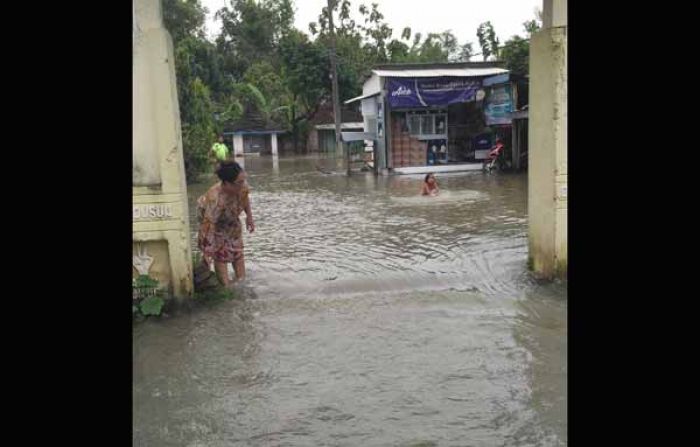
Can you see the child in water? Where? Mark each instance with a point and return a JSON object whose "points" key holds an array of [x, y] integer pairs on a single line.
{"points": [[430, 186]]}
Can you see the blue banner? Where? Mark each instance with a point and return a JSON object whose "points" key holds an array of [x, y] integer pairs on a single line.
{"points": [[426, 92], [498, 106], [498, 79]]}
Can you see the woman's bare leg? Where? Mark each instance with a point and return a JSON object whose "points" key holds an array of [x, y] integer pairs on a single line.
{"points": [[222, 272], [239, 268]]}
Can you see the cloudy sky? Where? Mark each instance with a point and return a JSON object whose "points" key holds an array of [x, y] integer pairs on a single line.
{"points": [[461, 16]]}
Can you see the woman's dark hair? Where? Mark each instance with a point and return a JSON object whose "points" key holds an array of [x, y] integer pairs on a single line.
{"points": [[427, 176], [228, 171]]}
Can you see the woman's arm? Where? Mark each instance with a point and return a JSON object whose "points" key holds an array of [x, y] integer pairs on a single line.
{"points": [[249, 222]]}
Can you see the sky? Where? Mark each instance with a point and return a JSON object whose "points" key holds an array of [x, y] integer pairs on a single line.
{"points": [[462, 17]]}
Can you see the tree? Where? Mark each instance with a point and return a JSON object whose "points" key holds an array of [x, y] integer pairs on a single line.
{"points": [[305, 74], [450, 46], [184, 18], [267, 79], [247, 34], [466, 51], [270, 95], [284, 10], [251, 31], [414, 52], [198, 130], [196, 67], [397, 51], [358, 46], [432, 49], [531, 26], [377, 33], [516, 53], [487, 40]]}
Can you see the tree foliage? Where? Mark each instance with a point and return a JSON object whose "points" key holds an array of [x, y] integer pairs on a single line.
{"points": [[487, 40], [516, 51]]}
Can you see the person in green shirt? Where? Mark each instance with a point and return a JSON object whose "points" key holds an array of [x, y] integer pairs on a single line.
{"points": [[219, 150]]}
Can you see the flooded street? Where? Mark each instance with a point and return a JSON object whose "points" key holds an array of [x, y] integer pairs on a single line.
{"points": [[371, 316]]}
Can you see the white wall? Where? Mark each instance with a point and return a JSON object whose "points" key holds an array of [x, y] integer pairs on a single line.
{"points": [[371, 85]]}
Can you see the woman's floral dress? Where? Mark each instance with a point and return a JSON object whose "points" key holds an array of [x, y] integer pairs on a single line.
{"points": [[220, 234]]}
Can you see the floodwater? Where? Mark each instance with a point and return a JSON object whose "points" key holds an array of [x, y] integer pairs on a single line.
{"points": [[370, 316]]}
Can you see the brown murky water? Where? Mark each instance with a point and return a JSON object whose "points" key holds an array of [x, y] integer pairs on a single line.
{"points": [[372, 317]]}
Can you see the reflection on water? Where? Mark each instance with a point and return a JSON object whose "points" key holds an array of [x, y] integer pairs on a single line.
{"points": [[373, 316]]}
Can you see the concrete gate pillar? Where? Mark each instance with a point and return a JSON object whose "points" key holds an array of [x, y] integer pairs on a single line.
{"points": [[547, 177], [161, 230], [238, 145], [273, 144]]}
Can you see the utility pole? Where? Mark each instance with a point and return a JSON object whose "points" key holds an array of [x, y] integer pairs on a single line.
{"points": [[334, 80]]}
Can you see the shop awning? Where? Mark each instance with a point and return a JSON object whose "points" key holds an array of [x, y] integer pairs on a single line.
{"points": [[361, 97], [331, 126], [348, 137]]}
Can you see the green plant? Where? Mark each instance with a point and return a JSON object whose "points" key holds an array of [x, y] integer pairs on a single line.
{"points": [[153, 305], [148, 297], [145, 281]]}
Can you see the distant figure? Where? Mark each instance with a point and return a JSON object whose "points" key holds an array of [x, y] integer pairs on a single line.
{"points": [[497, 148], [219, 151], [430, 186], [493, 156], [220, 236]]}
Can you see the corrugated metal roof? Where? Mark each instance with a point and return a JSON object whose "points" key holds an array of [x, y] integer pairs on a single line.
{"points": [[438, 65], [436, 72]]}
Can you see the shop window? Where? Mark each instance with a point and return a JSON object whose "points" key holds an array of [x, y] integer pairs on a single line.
{"points": [[414, 124], [430, 123], [440, 124], [427, 124]]}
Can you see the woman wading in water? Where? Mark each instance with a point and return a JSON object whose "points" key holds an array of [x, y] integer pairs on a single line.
{"points": [[430, 186], [220, 236]]}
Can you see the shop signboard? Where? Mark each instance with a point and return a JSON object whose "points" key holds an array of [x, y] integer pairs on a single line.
{"points": [[431, 92], [498, 105]]}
